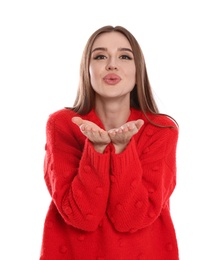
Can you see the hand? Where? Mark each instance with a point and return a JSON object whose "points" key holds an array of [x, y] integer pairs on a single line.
{"points": [[94, 133], [121, 136], [100, 138]]}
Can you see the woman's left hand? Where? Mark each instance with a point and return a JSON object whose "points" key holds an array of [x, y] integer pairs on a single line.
{"points": [[121, 136]]}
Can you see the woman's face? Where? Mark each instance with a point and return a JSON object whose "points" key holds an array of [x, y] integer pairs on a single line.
{"points": [[112, 68]]}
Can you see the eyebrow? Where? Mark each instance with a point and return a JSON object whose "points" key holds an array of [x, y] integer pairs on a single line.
{"points": [[105, 49]]}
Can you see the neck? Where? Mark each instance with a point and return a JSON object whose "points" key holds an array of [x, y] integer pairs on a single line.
{"points": [[113, 114]]}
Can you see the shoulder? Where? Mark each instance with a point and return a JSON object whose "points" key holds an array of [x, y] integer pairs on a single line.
{"points": [[159, 138], [60, 119], [163, 120], [157, 127], [161, 127], [155, 120], [60, 114], [61, 132]]}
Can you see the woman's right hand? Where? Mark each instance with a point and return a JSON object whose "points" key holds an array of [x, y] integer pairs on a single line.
{"points": [[99, 137]]}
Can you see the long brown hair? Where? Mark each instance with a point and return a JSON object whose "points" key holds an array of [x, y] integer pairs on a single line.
{"points": [[141, 97]]}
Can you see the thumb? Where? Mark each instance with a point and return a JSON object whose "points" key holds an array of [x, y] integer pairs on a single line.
{"points": [[139, 123], [77, 120]]}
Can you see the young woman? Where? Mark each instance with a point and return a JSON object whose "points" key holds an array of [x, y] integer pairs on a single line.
{"points": [[110, 163]]}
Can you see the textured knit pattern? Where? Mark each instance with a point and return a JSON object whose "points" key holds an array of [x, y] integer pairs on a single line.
{"points": [[109, 206]]}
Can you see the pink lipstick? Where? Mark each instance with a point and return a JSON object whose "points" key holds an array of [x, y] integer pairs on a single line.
{"points": [[112, 79]]}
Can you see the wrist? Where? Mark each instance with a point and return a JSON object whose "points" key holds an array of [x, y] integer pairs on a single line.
{"points": [[100, 148], [119, 148]]}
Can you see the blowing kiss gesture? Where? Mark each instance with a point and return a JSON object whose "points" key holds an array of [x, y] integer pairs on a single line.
{"points": [[100, 138]]}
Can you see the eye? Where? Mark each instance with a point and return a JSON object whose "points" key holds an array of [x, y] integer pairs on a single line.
{"points": [[125, 57], [100, 57]]}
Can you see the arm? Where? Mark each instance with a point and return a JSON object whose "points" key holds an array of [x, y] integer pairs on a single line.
{"points": [[143, 178], [77, 176]]}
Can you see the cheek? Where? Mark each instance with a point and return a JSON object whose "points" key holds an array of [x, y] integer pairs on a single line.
{"points": [[94, 71], [133, 73], [90, 71], [93, 76], [131, 70]]}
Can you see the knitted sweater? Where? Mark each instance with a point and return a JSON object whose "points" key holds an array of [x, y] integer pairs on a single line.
{"points": [[109, 206]]}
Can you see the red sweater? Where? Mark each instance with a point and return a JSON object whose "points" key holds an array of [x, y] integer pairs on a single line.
{"points": [[109, 206]]}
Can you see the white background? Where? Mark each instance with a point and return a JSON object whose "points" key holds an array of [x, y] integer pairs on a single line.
{"points": [[41, 43]]}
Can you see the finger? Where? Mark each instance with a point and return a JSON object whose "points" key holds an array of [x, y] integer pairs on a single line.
{"points": [[139, 123], [77, 120], [83, 127], [127, 127], [112, 132]]}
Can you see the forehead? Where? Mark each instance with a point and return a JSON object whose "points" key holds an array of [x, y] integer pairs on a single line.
{"points": [[111, 40]]}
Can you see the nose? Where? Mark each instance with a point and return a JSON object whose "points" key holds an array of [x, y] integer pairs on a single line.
{"points": [[111, 65]]}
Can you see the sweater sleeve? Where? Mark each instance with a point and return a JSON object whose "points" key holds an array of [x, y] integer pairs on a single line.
{"points": [[77, 176], [143, 178]]}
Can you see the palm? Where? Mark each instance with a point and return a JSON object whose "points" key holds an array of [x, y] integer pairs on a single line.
{"points": [[123, 134], [100, 138], [92, 131]]}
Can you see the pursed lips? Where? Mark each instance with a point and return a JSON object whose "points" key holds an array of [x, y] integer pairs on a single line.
{"points": [[112, 79]]}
